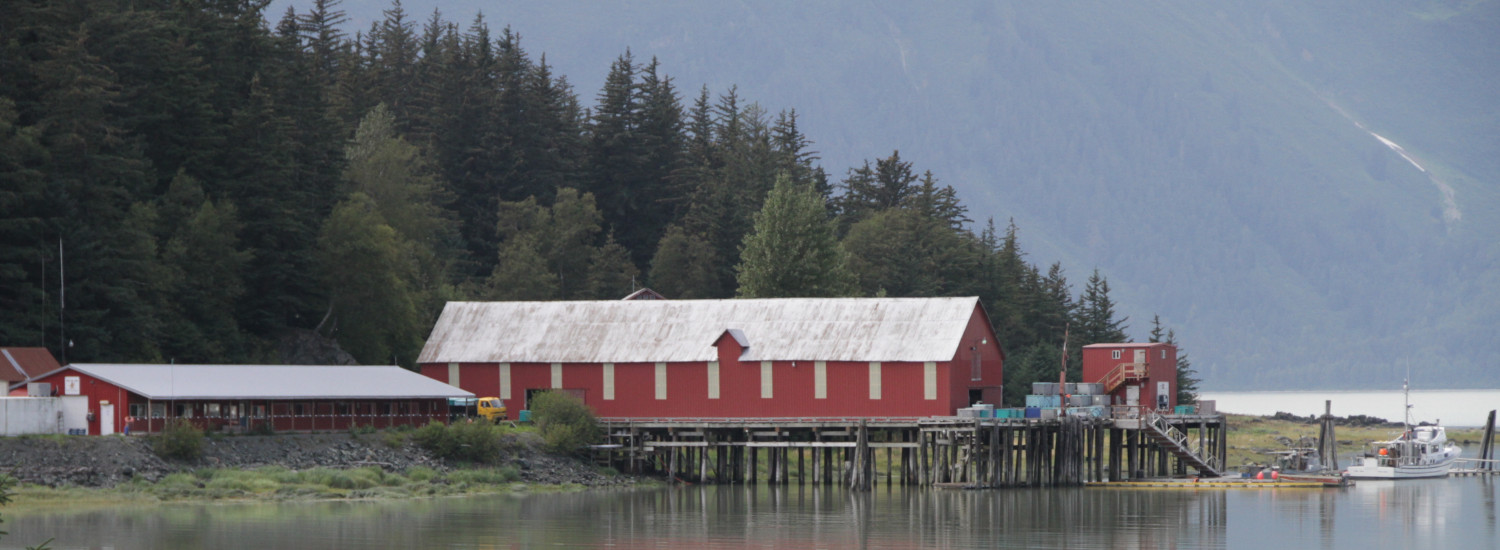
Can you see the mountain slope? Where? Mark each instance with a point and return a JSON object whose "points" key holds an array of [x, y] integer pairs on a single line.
{"points": [[1217, 163]]}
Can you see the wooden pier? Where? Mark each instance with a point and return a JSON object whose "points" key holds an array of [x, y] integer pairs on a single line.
{"points": [[861, 453]]}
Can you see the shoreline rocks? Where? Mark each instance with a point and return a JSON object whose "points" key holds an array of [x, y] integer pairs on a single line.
{"points": [[104, 462]]}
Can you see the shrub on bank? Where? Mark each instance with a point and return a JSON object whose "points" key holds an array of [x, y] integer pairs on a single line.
{"points": [[564, 422], [464, 441], [179, 440]]}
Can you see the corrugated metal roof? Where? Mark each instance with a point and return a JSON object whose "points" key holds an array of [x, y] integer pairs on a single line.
{"points": [[20, 364], [782, 329], [270, 381]]}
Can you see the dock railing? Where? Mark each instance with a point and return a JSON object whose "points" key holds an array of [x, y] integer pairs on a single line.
{"points": [[1179, 443]]}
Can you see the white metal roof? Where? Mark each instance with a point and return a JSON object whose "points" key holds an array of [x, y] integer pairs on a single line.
{"points": [[781, 329], [270, 381]]}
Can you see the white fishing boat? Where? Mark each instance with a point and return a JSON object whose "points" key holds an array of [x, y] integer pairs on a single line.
{"points": [[1420, 451]]}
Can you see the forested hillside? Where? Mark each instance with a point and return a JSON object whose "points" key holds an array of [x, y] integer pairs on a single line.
{"points": [[1218, 160], [184, 182]]}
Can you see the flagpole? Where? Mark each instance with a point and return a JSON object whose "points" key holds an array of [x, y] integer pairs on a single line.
{"points": [[62, 301]]}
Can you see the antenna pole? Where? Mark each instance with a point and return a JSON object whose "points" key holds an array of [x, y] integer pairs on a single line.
{"points": [[62, 300]]}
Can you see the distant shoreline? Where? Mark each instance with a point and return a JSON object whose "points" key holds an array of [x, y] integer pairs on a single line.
{"points": [[1450, 407]]}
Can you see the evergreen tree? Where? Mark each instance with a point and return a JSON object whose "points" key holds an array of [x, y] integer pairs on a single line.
{"points": [[23, 252], [1095, 316], [201, 253], [612, 275], [868, 190], [95, 172], [1052, 307], [393, 60], [280, 216], [683, 267], [397, 177], [405, 189], [793, 156], [520, 273], [793, 251], [1187, 376], [320, 30], [554, 243], [899, 252], [567, 233], [939, 204], [998, 283], [1157, 334], [367, 270]]}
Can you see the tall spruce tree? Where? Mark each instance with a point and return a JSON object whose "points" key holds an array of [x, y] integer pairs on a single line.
{"points": [[871, 189], [1187, 377], [23, 247], [1095, 316], [204, 262]]}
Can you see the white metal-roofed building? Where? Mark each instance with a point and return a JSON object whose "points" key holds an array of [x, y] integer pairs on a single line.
{"points": [[810, 357], [253, 397]]}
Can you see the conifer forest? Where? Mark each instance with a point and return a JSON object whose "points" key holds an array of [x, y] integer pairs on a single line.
{"points": [[182, 181]]}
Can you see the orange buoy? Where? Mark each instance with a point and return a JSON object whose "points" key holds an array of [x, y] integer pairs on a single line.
{"points": [[1384, 452]]}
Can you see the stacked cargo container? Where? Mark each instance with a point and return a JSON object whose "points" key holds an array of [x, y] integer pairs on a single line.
{"points": [[1075, 399]]}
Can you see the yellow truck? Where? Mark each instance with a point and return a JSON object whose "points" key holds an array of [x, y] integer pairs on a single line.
{"points": [[491, 409], [488, 408]]}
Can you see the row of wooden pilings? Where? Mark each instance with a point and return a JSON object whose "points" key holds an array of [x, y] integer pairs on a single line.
{"points": [[864, 453]]}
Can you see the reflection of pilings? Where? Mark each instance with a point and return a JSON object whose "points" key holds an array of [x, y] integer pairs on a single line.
{"points": [[1486, 444], [966, 452]]}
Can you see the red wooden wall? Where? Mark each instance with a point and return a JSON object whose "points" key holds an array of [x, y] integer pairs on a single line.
{"points": [[793, 385]]}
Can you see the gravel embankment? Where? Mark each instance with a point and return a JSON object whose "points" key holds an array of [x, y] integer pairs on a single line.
{"points": [[107, 461]]}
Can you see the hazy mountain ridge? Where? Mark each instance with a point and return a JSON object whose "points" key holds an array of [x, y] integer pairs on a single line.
{"points": [[1192, 152]]}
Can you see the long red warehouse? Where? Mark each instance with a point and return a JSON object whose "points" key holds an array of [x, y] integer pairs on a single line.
{"points": [[784, 357]]}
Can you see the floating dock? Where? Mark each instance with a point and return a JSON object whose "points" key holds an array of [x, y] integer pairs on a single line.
{"points": [[1215, 483]]}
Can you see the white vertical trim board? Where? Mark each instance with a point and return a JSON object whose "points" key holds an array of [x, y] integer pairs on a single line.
{"points": [[874, 379], [557, 375], [929, 380], [661, 380], [609, 381], [453, 374], [765, 380], [505, 380], [713, 379], [820, 380]]}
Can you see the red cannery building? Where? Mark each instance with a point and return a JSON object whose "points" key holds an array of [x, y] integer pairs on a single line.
{"points": [[253, 397], [754, 358], [1134, 374]]}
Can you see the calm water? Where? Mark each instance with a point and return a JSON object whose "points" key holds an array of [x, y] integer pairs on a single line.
{"points": [[1457, 513], [1452, 407]]}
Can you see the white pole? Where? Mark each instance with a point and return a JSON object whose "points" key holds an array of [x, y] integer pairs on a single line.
{"points": [[62, 300]]}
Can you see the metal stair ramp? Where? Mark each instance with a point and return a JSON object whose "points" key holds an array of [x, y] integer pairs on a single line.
{"points": [[1177, 443]]}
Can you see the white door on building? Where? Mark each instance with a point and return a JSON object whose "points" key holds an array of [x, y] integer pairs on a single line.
{"points": [[1140, 356], [106, 419], [1133, 396], [1163, 394]]}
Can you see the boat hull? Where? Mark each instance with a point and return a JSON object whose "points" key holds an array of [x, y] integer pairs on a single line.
{"points": [[1439, 469]]}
